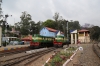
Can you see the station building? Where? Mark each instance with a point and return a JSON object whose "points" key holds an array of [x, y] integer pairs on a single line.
{"points": [[84, 36], [80, 36]]}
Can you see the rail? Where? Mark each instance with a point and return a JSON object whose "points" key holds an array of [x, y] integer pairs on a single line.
{"points": [[13, 52], [17, 61], [96, 49]]}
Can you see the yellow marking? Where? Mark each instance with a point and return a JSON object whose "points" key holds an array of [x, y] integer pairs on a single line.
{"points": [[9, 48], [14, 47]]}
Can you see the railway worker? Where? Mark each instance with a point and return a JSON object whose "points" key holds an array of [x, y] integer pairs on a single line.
{"points": [[81, 49]]}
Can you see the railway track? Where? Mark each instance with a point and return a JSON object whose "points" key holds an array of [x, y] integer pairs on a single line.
{"points": [[96, 48], [26, 59], [13, 52]]}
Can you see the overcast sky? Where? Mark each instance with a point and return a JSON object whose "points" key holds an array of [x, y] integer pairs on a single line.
{"points": [[85, 11]]}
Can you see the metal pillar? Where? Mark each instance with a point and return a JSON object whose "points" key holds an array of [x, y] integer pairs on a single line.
{"points": [[67, 30]]}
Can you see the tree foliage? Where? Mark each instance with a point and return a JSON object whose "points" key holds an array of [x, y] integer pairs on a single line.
{"points": [[56, 18], [49, 23], [95, 33], [73, 25], [27, 26], [25, 22]]}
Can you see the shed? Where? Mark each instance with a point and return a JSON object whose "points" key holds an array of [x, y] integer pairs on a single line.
{"points": [[28, 38]]}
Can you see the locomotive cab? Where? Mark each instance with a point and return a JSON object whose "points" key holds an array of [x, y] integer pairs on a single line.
{"points": [[59, 40], [36, 40]]}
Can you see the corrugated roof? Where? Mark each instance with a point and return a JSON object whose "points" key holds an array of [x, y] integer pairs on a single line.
{"points": [[27, 38], [50, 29], [83, 30]]}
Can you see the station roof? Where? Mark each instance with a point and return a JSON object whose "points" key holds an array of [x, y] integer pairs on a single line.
{"points": [[83, 30]]}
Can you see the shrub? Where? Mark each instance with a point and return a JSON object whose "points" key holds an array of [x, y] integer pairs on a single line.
{"points": [[57, 58]]}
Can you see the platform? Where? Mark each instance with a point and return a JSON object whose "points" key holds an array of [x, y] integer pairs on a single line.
{"points": [[11, 47]]}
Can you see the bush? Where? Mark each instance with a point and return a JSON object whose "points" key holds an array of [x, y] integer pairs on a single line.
{"points": [[57, 58]]}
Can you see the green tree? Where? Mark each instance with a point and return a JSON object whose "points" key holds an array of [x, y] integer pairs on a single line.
{"points": [[95, 33], [49, 23], [17, 26], [39, 26], [73, 25], [25, 23], [27, 26], [60, 22], [2, 23], [63, 26], [56, 18], [33, 27]]}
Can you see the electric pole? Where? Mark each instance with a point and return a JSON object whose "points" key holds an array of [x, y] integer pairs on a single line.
{"points": [[67, 30]]}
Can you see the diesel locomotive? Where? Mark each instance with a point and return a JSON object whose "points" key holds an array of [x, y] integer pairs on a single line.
{"points": [[44, 41], [59, 41]]}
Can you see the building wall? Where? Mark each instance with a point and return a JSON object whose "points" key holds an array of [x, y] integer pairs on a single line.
{"points": [[0, 34], [45, 32], [59, 34], [84, 38]]}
